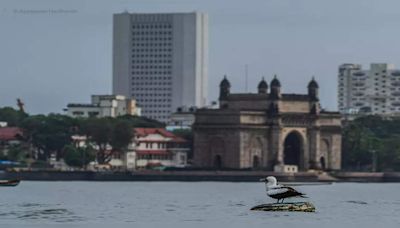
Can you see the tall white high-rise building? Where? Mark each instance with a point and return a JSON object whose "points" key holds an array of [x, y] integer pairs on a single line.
{"points": [[374, 91], [161, 60]]}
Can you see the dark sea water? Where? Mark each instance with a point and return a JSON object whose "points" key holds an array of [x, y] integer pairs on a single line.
{"points": [[186, 204]]}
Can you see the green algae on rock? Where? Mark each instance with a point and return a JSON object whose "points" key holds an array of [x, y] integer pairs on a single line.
{"points": [[298, 206]]}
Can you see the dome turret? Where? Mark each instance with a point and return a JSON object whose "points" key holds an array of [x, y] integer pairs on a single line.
{"points": [[275, 88], [275, 82], [224, 88], [262, 86], [313, 90], [225, 83], [313, 84]]}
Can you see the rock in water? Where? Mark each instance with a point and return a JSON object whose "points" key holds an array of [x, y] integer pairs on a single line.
{"points": [[298, 206]]}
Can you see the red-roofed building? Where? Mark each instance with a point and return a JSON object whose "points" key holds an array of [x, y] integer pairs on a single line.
{"points": [[9, 136], [10, 133], [150, 147], [157, 147]]}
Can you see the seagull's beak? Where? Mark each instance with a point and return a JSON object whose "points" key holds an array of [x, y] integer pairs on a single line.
{"points": [[263, 179]]}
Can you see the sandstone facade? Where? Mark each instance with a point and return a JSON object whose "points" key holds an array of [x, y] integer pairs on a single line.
{"points": [[265, 129]]}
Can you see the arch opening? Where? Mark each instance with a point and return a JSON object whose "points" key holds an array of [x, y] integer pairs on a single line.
{"points": [[217, 153], [293, 148], [322, 163], [217, 162], [256, 162], [255, 153], [324, 154]]}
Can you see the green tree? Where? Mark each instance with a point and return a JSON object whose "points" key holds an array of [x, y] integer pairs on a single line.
{"points": [[122, 135], [16, 153], [371, 139], [99, 131], [78, 157], [11, 116], [48, 134]]}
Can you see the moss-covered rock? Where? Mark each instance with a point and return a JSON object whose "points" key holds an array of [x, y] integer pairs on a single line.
{"points": [[298, 206]]}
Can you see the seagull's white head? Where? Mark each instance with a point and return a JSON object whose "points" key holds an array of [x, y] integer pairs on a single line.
{"points": [[271, 181]]}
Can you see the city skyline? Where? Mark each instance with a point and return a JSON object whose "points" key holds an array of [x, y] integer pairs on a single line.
{"points": [[69, 53]]}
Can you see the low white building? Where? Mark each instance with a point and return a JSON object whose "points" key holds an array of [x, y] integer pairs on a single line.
{"points": [[104, 106]]}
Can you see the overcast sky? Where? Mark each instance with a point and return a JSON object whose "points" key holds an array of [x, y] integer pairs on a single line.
{"points": [[56, 52]]}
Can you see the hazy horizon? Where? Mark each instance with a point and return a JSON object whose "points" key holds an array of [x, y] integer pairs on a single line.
{"points": [[59, 52]]}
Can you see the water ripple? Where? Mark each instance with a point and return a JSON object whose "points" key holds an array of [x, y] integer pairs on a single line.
{"points": [[356, 202], [33, 213]]}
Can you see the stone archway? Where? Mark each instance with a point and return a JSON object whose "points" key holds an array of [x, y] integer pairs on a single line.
{"points": [[255, 153], [217, 153], [217, 161], [293, 149], [256, 162], [324, 154], [322, 162]]}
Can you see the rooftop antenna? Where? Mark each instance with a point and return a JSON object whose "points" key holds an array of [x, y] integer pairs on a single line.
{"points": [[246, 75]]}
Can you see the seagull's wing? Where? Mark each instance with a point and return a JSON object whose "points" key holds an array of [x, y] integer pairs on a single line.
{"points": [[293, 191]]}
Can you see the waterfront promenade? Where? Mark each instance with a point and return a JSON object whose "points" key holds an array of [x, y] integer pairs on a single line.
{"points": [[223, 176]]}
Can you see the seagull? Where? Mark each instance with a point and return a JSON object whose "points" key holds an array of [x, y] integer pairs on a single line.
{"points": [[278, 191]]}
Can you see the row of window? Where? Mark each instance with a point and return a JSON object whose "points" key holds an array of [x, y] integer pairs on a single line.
{"points": [[157, 95], [154, 73], [151, 61], [151, 26], [152, 56], [152, 32], [152, 67], [151, 49], [151, 83], [152, 38], [361, 76], [152, 105], [151, 78], [154, 111], [154, 157], [358, 104], [156, 100], [164, 73], [376, 109], [153, 88], [152, 44], [151, 95]]}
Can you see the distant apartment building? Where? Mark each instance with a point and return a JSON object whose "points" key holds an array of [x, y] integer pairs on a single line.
{"points": [[104, 106], [371, 91], [161, 59]]}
